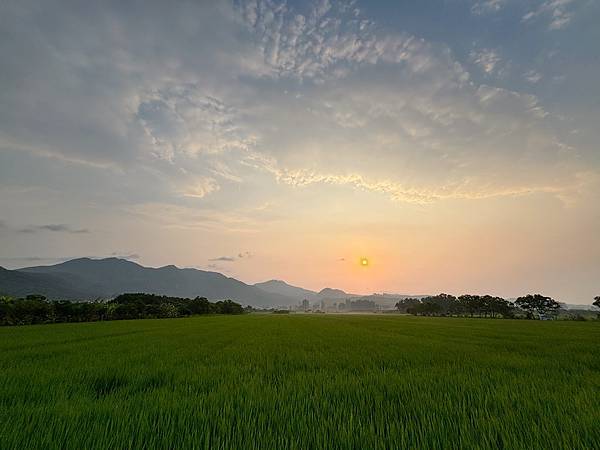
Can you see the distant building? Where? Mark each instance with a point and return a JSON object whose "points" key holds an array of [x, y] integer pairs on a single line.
{"points": [[305, 305]]}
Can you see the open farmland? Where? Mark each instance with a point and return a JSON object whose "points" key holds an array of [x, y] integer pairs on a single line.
{"points": [[301, 381]]}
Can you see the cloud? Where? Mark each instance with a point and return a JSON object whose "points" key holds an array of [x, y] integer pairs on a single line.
{"points": [[488, 60], [240, 255], [124, 255], [57, 228], [201, 188], [247, 97], [327, 42], [463, 189], [109, 101], [174, 216], [223, 258], [555, 11], [532, 76], [185, 119], [487, 7]]}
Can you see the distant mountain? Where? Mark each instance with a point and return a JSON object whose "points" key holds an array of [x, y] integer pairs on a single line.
{"points": [[282, 288], [20, 284], [329, 293], [299, 294], [87, 278]]}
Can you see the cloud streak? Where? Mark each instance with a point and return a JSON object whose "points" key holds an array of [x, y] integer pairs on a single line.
{"points": [[241, 255], [55, 228], [557, 12]]}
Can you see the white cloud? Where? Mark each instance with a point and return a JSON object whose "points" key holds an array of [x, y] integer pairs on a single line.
{"points": [[487, 59], [327, 42], [556, 12], [487, 7], [532, 76], [183, 119], [325, 96], [201, 188]]}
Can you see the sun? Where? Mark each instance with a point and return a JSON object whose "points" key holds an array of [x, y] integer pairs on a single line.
{"points": [[364, 262]]}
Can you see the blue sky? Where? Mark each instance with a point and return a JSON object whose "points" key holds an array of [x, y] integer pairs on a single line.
{"points": [[305, 135]]}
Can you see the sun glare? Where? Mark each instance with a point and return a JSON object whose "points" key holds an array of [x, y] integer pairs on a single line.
{"points": [[364, 262]]}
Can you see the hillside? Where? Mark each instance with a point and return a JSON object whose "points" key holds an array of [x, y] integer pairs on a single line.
{"points": [[20, 284], [89, 279], [282, 288]]}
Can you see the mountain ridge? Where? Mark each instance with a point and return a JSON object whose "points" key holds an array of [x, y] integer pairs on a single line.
{"points": [[88, 279]]}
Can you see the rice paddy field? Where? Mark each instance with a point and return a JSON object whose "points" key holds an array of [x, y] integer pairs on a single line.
{"points": [[302, 382]]}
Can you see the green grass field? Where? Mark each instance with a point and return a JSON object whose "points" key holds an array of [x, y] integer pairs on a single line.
{"points": [[301, 381]]}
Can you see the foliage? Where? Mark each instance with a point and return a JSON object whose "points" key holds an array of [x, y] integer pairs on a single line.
{"points": [[36, 309], [465, 305], [538, 305], [301, 381]]}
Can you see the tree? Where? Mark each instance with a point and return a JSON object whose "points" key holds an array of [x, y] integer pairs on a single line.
{"points": [[502, 307], [200, 305], [228, 307], [468, 304], [596, 302], [7, 306], [537, 304], [407, 303]]}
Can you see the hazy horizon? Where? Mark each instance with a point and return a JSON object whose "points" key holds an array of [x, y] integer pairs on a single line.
{"points": [[290, 140]]}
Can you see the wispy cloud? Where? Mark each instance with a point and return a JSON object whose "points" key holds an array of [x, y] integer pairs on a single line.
{"points": [[241, 255], [201, 188], [487, 7], [56, 228], [532, 76], [125, 255], [557, 13], [224, 259], [487, 59], [205, 129], [325, 43]]}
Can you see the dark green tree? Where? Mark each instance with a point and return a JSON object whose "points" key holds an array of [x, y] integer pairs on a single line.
{"points": [[407, 303], [228, 307], [537, 304]]}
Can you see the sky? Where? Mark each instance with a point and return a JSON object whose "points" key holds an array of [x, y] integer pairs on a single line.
{"points": [[452, 143]]}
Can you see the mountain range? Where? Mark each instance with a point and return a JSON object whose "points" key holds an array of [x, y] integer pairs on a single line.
{"points": [[298, 294], [90, 279]]}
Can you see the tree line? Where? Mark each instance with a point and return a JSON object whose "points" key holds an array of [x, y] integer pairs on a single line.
{"points": [[37, 309], [532, 306]]}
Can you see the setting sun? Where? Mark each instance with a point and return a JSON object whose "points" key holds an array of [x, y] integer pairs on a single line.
{"points": [[364, 262]]}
